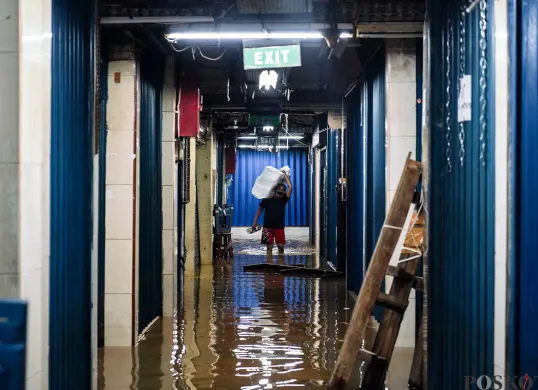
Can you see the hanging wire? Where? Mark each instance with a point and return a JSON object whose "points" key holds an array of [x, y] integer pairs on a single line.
{"points": [[225, 12], [448, 104], [209, 58], [285, 128], [483, 80], [462, 58], [172, 44]]}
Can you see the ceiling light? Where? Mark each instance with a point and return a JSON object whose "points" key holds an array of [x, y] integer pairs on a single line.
{"points": [[249, 35], [268, 78]]}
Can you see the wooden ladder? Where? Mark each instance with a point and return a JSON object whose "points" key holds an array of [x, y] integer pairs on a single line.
{"points": [[395, 302]]}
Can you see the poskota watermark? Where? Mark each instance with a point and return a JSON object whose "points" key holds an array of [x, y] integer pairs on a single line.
{"points": [[498, 382]]}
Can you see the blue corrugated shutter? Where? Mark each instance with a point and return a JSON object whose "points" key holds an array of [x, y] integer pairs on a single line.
{"points": [[461, 242], [71, 178], [525, 267], [332, 194], [375, 156], [150, 219], [355, 182], [366, 143], [103, 86], [250, 164]]}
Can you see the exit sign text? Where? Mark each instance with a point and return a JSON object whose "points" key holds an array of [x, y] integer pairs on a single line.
{"points": [[272, 57]]}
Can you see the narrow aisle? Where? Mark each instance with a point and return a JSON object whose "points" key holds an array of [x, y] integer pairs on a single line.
{"points": [[267, 331], [241, 330]]}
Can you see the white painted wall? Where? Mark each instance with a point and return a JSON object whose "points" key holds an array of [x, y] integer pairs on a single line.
{"points": [[168, 181], [25, 82], [120, 190], [401, 139], [502, 166]]}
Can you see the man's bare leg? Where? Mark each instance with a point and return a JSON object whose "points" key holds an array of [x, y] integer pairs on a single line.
{"points": [[280, 249]]}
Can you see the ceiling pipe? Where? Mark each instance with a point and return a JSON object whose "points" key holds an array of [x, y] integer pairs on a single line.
{"points": [[390, 36], [157, 20]]}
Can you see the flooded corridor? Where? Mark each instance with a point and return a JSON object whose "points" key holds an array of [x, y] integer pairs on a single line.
{"points": [[245, 330]]}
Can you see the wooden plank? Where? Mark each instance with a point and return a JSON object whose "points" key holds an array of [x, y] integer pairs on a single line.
{"points": [[418, 284], [399, 272], [390, 326], [415, 377], [375, 274], [391, 302], [270, 267]]}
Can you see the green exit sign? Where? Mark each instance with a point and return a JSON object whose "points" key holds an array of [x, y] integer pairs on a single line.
{"points": [[272, 57], [271, 141]]}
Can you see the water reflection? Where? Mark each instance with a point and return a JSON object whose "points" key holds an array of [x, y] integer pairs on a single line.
{"points": [[240, 330]]}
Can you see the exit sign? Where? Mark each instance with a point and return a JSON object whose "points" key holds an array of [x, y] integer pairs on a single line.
{"points": [[271, 141], [272, 57]]}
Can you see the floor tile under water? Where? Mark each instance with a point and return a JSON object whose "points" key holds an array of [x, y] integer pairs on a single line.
{"points": [[243, 330]]}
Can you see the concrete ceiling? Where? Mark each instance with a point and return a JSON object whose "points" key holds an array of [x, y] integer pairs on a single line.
{"points": [[316, 86]]}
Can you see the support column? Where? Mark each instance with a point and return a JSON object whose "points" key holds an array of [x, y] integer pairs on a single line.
{"points": [[168, 163], [120, 281], [25, 131], [401, 133], [190, 209], [205, 180]]}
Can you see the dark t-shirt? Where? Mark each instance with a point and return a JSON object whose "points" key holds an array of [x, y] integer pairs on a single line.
{"points": [[275, 212]]}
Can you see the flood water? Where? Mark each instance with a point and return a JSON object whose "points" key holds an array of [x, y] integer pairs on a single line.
{"points": [[244, 330]]}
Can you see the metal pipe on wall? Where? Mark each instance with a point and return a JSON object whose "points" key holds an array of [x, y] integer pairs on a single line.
{"points": [[157, 19]]}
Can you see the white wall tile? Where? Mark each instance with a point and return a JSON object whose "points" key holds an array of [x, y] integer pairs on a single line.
{"points": [[168, 252], [126, 68], [119, 168], [118, 264], [121, 106], [118, 310], [168, 163], [9, 104], [398, 158], [32, 291], [119, 212], [9, 285], [401, 109], [169, 101], [168, 295], [168, 126], [117, 337], [31, 218], [9, 218], [168, 216], [9, 28], [120, 142], [36, 381], [401, 63]]}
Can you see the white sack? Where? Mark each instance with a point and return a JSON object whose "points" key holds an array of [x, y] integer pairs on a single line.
{"points": [[267, 181]]}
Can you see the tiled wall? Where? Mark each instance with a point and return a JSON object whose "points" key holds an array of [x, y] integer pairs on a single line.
{"points": [[25, 54], [120, 191], [168, 163], [9, 149], [401, 124], [190, 212]]}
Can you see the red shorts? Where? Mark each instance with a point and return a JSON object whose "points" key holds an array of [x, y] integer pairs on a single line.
{"points": [[269, 236]]}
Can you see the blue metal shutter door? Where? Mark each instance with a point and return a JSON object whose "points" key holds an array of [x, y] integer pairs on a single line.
{"points": [[250, 164]]}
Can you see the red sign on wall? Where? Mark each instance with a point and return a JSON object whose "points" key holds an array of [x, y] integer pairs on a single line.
{"points": [[229, 161], [189, 109]]}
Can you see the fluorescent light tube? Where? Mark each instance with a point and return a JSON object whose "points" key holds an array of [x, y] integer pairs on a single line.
{"points": [[249, 35]]}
